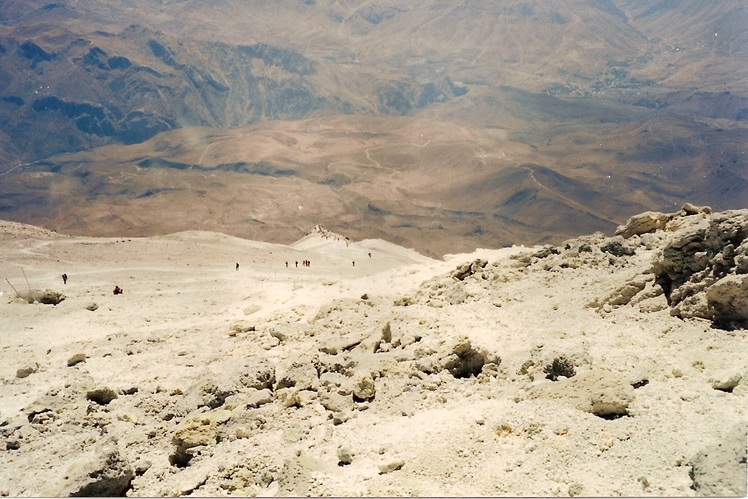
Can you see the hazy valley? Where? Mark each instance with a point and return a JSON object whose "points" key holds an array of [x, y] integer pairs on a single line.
{"points": [[436, 126]]}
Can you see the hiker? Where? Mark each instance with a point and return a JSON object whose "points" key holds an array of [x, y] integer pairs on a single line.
{"points": [[354, 264], [286, 264], [64, 278], [297, 264], [118, 290], [237, 266]]}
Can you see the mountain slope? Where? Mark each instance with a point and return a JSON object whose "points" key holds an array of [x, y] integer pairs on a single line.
{"points": [[493, 373]]}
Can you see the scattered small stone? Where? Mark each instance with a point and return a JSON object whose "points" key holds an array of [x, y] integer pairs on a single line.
{"points": [[364, 390], [101, 396], [728, 384], [278, 335], [617, 247], [243, 432], [25, 372], [575, 489], [345, 456], [391, 466], [142, 466], [93, 307], [76, 359], [645, 483], [341, 417], [259, 398]]}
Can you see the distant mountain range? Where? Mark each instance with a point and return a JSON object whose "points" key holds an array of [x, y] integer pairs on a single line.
{"points": [[572, 115]]}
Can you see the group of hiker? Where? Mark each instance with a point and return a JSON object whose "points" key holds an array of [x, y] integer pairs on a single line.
{"points": [[117, 289]]}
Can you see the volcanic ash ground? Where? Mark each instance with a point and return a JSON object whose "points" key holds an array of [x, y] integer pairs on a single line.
{"points": [[605, 366]]}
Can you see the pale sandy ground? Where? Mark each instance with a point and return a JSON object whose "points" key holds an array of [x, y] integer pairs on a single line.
{"points": [[190, 334]]}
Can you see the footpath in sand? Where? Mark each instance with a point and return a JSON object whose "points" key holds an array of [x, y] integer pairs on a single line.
{"points": [[606, 366]]}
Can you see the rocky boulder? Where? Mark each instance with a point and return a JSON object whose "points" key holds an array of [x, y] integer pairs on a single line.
{"points": [[598, 392], [469, 268], [102, 472], [643, 223], [702, 268], [720, 470], [197, 431]]}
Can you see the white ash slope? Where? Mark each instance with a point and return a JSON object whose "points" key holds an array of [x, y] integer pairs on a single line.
{"points": [[602, 367]]}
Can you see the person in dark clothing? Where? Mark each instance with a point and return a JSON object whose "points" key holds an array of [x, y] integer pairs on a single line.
{"points": [[237, 266], [64, 278]]}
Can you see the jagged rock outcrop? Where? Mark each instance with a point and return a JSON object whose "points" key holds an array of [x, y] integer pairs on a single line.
{"points": [[468, 269], [702, 267], [459, 358]]}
